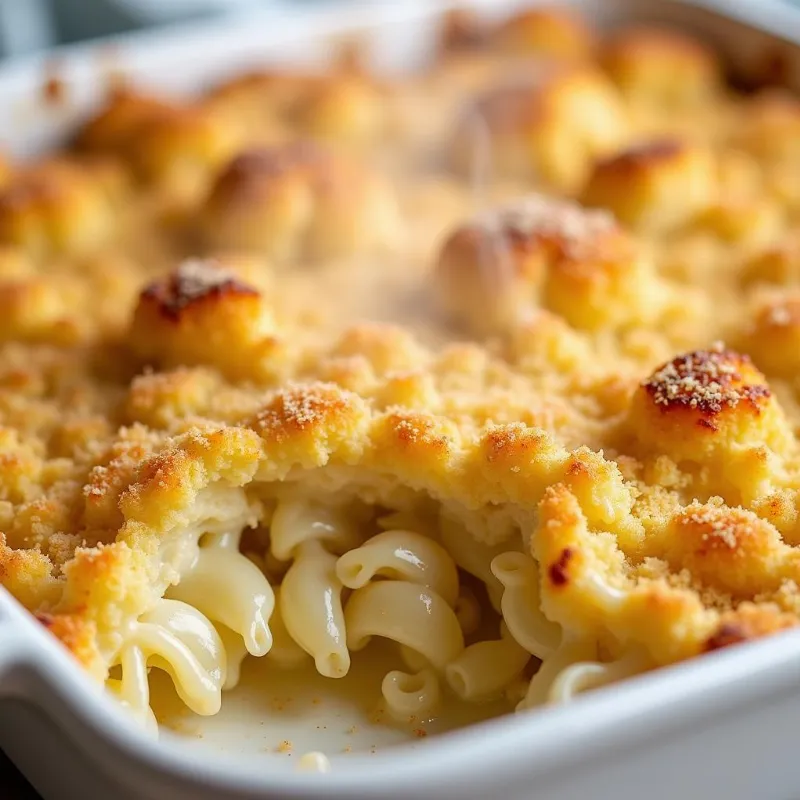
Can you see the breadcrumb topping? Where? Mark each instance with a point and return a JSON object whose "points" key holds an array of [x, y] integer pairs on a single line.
{"points": [[194, 280], [706, 380], [247, 171], [576, 229], [274, 288], [300, 406], [633, 157]]}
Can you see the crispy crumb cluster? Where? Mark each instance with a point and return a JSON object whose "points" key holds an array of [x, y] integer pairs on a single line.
{"points": [[202, 313], [713, 414], [555, 32], [62, 207], [174, 145], [656, 186], [663, 67], [299, 200], [774, 337], [705, 381], [491, 291], [344, 107], [538, 252], [548, 127]]}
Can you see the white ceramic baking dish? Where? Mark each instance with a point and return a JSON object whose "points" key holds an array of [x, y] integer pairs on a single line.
{"points": [[721, 726]]}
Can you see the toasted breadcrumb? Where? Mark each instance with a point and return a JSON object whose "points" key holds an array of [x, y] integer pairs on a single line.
{"points": [[188, 306]]}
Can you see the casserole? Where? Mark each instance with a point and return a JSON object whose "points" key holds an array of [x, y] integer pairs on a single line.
{"points": [[17, 653]]}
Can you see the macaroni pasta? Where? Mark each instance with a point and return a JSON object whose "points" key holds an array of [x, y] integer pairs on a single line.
{"points": [[485, 669], [311, 607], [411, 695]]}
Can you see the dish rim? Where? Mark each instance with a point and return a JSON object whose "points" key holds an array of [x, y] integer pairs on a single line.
{"points": [[629, 714]]}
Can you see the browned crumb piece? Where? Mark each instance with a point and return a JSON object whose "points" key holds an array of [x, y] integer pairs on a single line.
{"points": [[706, 380], [569, 391]]}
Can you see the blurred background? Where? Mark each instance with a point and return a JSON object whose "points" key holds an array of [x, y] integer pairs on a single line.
{"points": [[31, 25]]}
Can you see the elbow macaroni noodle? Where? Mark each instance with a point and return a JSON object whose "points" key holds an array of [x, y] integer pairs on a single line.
{"points": [[312, 609], [411, 695], [245, 609], [295, 522], [337, 590], [583, 675], [402, 555], [415, 607], [520, 605], [235, 653], [485, 669], [473, 557], [468, 611], [218, 584], [406, 613], [285, 652]]}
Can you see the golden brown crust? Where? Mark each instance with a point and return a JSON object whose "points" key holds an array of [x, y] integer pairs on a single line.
{"points": [[655, 186], [461, 30], [774, 338], [78, 636], [554, 32], [201, 313], [729, 550], [39, 310], [298, 202], [174, 146], [256, 94], [141, 391], [714, 409], [722, 555], [194, 284], [116, 126], [778, 263], [490, 476], [707, 383], [348, 109], [60, 207], [537, 252], [769, 127], [551, 32], [749, 622], [548, 130], [6, 170], [344, 107], [661, 66]]}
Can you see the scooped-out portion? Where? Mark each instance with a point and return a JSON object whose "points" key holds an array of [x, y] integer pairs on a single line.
{"points": [[471, 389]]}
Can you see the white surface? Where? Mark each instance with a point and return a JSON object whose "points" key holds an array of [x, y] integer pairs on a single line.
{"points": [[721, 726]]}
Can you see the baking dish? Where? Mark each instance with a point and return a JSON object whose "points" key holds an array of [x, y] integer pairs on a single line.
{"points": [[510, 756]]}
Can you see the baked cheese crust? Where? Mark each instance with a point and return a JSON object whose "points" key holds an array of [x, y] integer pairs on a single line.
{"points": [[577, 318]]}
